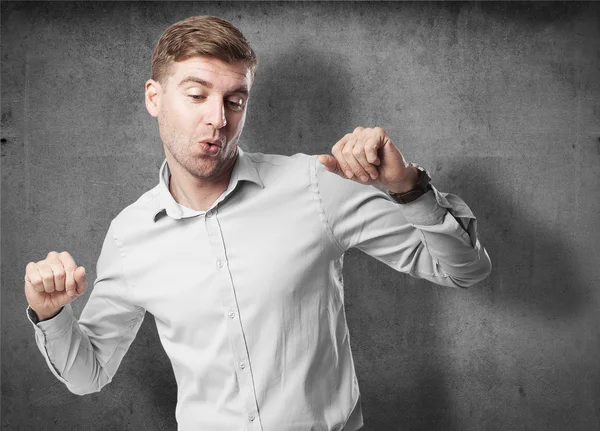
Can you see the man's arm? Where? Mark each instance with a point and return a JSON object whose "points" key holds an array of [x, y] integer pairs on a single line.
{"points": [[433, 237], [83, 355]]}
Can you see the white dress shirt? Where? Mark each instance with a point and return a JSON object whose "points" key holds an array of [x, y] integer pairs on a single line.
{"points": [[248, 296]]}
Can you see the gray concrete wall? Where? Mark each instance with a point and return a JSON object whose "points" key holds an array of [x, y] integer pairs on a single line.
{"points": [[500, 101]]}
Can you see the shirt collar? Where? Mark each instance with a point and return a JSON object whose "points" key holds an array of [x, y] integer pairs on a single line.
{"points": [[243, 170]]}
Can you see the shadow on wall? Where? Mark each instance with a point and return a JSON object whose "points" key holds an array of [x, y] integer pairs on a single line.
{"points": [[401, 344], [397, 346], [535, 271], [536, 288], [300, 102]]}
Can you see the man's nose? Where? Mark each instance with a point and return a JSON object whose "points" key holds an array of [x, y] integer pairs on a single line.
{"points": [[216, 114]]}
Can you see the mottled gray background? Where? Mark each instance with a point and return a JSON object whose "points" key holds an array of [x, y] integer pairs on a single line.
{"points": [[500, 101]]}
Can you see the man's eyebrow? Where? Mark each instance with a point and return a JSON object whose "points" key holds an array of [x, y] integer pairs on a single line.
{"points": [[242, 89], [196, 80]]}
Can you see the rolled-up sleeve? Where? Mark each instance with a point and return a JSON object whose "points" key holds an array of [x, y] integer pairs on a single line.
{"points": [[86, 354], [433, 237]]}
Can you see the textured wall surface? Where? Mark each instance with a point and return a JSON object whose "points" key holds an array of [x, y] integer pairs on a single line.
{"points": [[500, 101]]}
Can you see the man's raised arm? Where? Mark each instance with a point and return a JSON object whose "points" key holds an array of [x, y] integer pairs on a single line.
{"points": [[432, 237], [83, 355]]}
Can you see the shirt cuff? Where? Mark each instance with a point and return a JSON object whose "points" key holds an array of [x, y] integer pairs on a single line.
{"points": [[55, 327], [427, 210]]}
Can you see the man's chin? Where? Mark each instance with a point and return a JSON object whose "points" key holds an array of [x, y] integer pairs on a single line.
{"points": [[207, 169]]}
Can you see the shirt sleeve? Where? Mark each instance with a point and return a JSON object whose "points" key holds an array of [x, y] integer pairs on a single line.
{"points": [[86, 354], [433, 237]]}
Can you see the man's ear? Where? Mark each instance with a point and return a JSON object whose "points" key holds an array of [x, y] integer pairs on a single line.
{"points": [[153, 93]]}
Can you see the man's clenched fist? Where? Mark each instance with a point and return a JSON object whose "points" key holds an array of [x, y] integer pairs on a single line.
{"points": [[367, 155], [52, 283]]}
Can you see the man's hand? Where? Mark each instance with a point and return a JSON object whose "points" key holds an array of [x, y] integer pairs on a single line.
{"points": [[368, 156], [52, 283]]}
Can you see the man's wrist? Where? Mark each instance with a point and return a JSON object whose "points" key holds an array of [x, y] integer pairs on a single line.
{"points": [[420, 188], [406, 184]]}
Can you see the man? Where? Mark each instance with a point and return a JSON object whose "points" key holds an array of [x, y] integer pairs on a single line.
{"points": [[239, 256]]}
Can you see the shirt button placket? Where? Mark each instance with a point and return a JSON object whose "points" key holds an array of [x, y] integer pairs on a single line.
{"points": [[236, 335]]}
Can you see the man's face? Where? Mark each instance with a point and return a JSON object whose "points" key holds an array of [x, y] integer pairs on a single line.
{"points": [[201, 109]]}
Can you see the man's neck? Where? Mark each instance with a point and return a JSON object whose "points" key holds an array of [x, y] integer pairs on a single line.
{"points": [[195, 193]]}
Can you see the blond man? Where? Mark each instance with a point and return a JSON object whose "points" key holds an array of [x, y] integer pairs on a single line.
{"points": [[239, 256]]}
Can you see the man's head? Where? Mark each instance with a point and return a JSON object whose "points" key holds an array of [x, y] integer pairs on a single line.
{"points": [[202, 70]]}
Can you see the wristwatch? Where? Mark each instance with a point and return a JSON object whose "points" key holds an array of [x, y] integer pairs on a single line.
{"points": [[420, 189]]}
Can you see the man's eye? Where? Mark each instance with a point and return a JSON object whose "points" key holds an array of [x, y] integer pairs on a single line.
{"points": [[235, 105], [197, 97]]}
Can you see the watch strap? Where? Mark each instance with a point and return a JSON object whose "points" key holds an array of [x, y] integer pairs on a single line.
{"points": [[33, 315], [419, 190]]}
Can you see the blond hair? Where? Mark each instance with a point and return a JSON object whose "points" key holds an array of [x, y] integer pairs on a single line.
{"points": [[200, 35]]}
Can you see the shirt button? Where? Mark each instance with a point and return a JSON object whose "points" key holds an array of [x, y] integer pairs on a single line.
{"points": [[219, 263], [209, 214], [242, 365], [251, 417], [231, 314]]}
